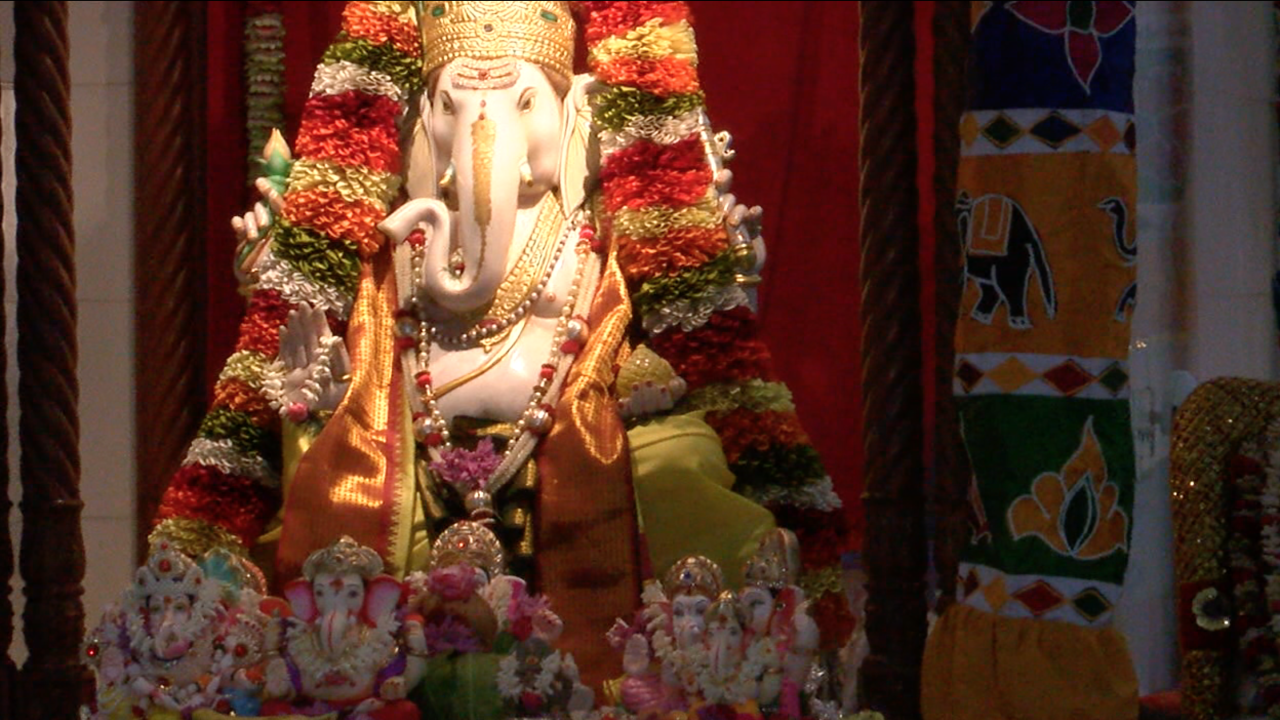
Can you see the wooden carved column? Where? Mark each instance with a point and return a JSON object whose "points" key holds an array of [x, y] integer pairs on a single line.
{"points": [[169, 236], [893, 400], [8, 672], [52, 552], [951, 465]]}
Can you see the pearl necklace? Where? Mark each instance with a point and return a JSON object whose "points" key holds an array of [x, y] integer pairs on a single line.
{"points": [[415, 337]]}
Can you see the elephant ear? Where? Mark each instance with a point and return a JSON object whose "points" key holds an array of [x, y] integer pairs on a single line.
{"points": [[381, 596], [581, 152], [303, 602], [419, 158]]}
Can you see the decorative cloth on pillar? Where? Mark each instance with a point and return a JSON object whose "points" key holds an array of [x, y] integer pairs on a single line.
{"points": [[1047, 190]]}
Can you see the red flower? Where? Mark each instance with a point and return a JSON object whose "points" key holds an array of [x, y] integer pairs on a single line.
{"points": [[531, 702], [1081, 22], [454, 583]]}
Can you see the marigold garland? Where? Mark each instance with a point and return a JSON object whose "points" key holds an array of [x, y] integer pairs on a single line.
{"points": [[237, 395], [365, 21], [609, 19], [332, 215], [234, 503], [616, 107], [659, 291], [347, 152], [663, 77], [319, 259], [404, 70], [352, 128], [260, 328], [679, 250], [653, 223], [656, 187], [742, 429]]}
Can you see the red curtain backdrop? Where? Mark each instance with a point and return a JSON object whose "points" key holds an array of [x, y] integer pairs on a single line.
{"points": [[782, 77]]}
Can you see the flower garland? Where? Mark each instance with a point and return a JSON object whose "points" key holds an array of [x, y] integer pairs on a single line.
{"points": [[264, 76], [659, 205], [1269, 542], [345, 177]]}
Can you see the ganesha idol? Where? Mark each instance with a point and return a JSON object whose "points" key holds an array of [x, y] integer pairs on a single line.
{"points": [[492, 290], [338, 648], [700, 647], [181, 640], [487, 641]]}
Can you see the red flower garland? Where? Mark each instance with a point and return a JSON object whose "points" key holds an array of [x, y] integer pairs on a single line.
{"points": [[614, 19], [239, 505], [260, 329], [351, 128], [646, 174]]}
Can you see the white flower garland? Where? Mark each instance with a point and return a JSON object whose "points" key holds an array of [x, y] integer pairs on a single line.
{"points": [[692, 313], [343, 76], [662, 130], [223, 455], [295, 288], [814, 495]]}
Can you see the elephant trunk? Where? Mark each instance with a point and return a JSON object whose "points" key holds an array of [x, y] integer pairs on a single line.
{"points": [[333, 631], [487, 166], [170, 642]]}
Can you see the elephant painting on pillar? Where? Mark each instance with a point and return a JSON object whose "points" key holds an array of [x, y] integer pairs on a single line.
{"points": [[1128, 250], [1002, 250]]}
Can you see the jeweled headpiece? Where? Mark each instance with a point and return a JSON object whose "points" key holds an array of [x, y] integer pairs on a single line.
{"points": [[539, 32], [344, 556], [694, 575], [469, 543], [776, 562], [727, 610], [168, 573]]}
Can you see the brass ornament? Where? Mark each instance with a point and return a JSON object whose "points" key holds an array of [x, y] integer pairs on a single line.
{"points": [[469, 543]]}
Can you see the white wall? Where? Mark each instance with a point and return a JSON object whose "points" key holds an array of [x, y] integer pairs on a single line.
{"points": [[1207, 156], [101, 55]]}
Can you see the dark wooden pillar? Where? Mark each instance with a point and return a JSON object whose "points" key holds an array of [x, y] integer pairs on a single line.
{"points": [[893, 401], [52, 549], [951, 464], [169, 227], [8, 672]]}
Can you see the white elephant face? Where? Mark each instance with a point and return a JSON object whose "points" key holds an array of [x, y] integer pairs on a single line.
{"points": [[338, 592], [489, 118], [758, 602], [688, 618], [170, 623]]}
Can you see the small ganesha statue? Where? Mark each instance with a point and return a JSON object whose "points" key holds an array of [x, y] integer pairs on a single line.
{"points": [[699, 648], [338, 640], [476, 627], [185, 637]]}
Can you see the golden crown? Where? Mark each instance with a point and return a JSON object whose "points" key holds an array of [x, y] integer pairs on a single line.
{"points": [[694, 575], [343, 556], [469, 543], [776, 562], [539, 32]]}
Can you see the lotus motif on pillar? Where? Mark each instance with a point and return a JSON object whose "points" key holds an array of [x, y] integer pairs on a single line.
{"points": [[1075, 511]]}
